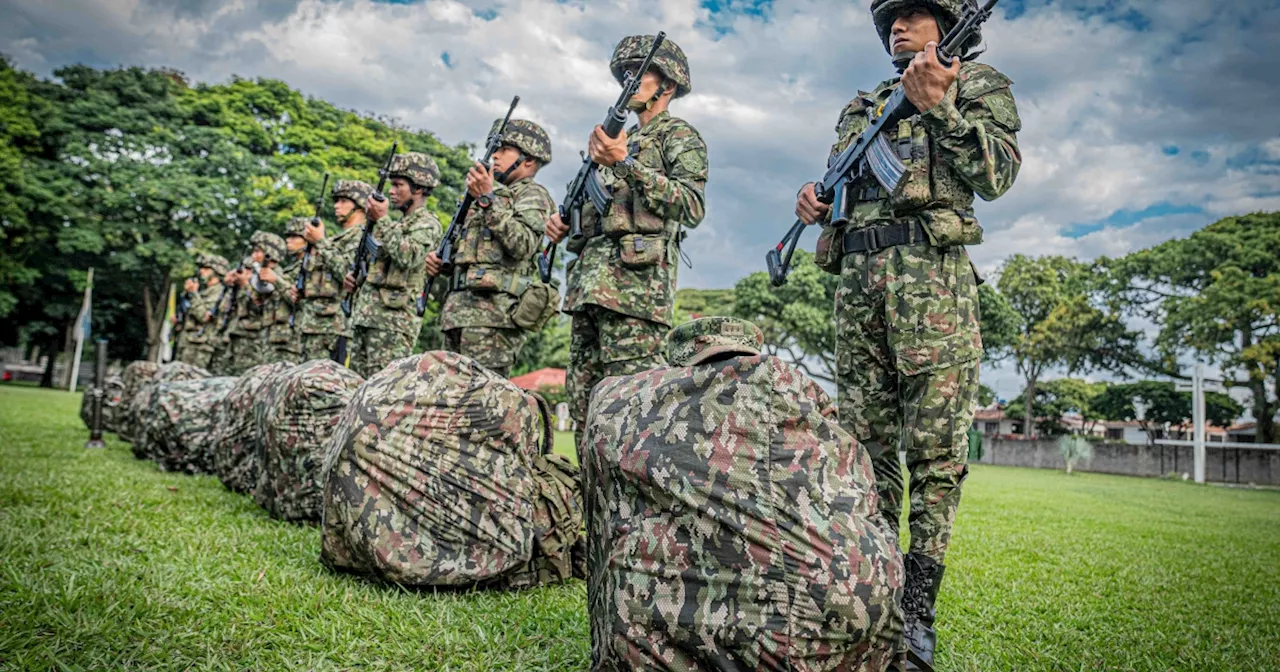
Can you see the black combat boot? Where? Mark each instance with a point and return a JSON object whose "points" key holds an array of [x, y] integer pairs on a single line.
{"points": [[924, 575]]}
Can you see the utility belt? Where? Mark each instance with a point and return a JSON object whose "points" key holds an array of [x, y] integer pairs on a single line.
{"points": [[874, 238], [481, 279], [537, 302]]}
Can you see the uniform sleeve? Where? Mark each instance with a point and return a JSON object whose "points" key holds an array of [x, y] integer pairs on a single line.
{"points": [[287, 277], [328, 256], [407, 241], [680, 193], [977, 134], [517, 221]]}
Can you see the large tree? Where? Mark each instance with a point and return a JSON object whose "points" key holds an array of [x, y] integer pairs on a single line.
{"points": [[1055, 398], [1162, 405], [1215, 296], [798, 319]]}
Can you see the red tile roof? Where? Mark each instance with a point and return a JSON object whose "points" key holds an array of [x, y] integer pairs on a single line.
{"points": [[540, 378]]}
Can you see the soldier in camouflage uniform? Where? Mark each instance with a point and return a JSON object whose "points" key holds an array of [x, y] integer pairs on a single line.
{"points": [[178, 332], [320, 317], [283, 337], [907, 343], [249, 346], [198, 330], [225, 322], [384, 317], [622, 285], [493, 267]]}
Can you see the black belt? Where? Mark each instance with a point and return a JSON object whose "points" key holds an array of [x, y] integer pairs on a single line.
{"points": [[875, 238]]}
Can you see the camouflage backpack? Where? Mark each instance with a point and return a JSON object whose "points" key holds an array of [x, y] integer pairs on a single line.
{"points": [[138, 413], [440, 475], [135, 374], [733, 525], [113, 393], [182, 423], [296, 412], [235, 447]]}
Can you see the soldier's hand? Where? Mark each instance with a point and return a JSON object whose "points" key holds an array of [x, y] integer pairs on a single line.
{"points": [[376, 209], [926, 81], [349, 283], [808, 208], [314, 231], [230, 278], [605, 150], [433, 264], [293, 294], [267, 275], [556, 229], [479, 180]]}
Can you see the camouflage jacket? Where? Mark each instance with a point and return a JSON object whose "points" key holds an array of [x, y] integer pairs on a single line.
{"points": [[197, 332], [967, 143], [387, 300], [628, 264], [493, 256], [330, 262], [277, 307]]}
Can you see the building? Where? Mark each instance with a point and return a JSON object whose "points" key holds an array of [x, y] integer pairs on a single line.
{"points": [[535, 380], [993, 422]]}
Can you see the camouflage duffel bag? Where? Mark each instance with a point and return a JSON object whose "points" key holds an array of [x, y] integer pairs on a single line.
{"points": [[440, 475], [138, 413], [235, 443], [112, 394], [135, 374], [182, 423], [296, 412], [733, 525]]}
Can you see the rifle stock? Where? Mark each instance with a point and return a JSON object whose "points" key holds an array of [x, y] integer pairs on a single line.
{"points": [[367, 250]]}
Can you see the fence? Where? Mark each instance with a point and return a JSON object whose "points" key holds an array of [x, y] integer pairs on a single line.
{"points": [[1225, 463]]}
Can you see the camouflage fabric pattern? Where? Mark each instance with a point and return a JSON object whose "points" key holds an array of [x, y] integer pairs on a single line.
{"points": [[113, 393], [387, 299], [271, 244], [321, 310], [492, 258], [236, 455], [283, 338], [670, 60], [733, 525], [436, 478], [296, 413], [699, 340], [525, 136], [907, 349], [494, 349], [353, 190], [318, 346], [199, 332], [134, 376], [137, 415], [604, 344], [416, 167], [215, 262], [665, 193], [182, 423], [372, 350], [884, 12], [248, 342]]}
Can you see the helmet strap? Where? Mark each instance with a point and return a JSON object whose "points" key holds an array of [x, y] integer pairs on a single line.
{"points": [[902, 59], [502, 177]]}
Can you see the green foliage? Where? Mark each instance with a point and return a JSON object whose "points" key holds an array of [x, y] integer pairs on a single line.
{"points": [[986, 396], [1075, 449], [545, 349], [1057, 397], [1162, 404], [1214, 294], [998, 321], [798, 318], [702, 303]]}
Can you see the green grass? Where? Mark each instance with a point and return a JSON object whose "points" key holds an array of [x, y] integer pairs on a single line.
{"points": [[107, 563]]}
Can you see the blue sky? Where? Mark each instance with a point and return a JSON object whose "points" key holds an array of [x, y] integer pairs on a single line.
{"points": [[1143, 119]]}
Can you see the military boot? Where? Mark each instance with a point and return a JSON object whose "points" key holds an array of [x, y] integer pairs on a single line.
{"points": [[924, 575]]}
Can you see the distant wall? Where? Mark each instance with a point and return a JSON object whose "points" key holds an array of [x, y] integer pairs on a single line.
{"points": [[1230, 465]]}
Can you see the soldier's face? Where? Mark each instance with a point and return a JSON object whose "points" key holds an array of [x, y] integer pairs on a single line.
{"points": [[401, 191], [258, 255], [912, 30], [649, 84], [502, 160], [295, 244], [342, 208], [204, 272]]}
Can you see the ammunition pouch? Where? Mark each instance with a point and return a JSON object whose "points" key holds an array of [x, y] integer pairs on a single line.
{"points": [[952, 227], [638, 251], [830, 249], [538, 304]]}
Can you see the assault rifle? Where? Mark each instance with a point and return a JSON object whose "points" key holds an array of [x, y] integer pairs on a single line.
{"points": [[367, 250], [301, 284], [235, 289], [587, 183], [460, 215], [870, 151]]}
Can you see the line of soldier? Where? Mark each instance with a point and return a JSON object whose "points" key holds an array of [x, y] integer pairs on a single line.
{"points": [[906, 308]]}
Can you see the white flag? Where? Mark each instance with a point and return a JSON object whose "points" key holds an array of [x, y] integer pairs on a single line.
{"points": [[85, 319]]}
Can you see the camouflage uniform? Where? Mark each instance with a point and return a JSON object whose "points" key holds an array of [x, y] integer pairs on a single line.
{"points": [[731, 522], [907, 340], [621, 288], [249, 346], [384, 318], [493, 267], [226, 327], [320, 315], [283, 336], [199, 330]]}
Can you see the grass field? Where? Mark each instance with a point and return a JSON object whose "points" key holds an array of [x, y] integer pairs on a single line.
{"points": [[106, 563]]}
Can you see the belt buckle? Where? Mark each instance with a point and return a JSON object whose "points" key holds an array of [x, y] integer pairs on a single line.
{"points": [[873, 240]]}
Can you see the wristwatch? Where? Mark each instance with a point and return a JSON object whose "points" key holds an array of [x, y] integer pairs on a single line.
{"points": [[624, 167], [485, 200]]}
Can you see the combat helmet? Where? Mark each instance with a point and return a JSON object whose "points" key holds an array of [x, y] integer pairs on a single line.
{"points": [[669, 60], [695, 342], [947, 13], [272, 245], [216, 262], [416, 167], [297, 226], [354, 190], [525, 136]]}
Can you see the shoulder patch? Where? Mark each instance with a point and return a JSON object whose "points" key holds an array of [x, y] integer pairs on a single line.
{"points": [[860, 102], [979, 79]]}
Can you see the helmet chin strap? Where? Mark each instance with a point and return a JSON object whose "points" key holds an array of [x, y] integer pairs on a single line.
{"points": [[902, 59], [502, 177]]}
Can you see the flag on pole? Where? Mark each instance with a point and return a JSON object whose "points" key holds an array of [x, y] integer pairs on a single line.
{"points": [[166, 327], [84, 327]]}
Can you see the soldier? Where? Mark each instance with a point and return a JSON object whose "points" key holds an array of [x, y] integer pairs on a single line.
{"points": [[320, 316], [249, 346], [178, 333], [198, 332], [384, 319], [283, 337], [622, 285], [493, 259], [907, 341]]}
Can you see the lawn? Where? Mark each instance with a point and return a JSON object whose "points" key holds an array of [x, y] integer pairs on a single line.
{"points": [[107, 563]]}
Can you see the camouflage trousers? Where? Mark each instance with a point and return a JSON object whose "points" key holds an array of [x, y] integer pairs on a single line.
{"points": [[318, 346], [289, 352], [907, 349], [603, 344], [494, 348], [197, 355], [371, 350], [249, 350], [220, 360]]}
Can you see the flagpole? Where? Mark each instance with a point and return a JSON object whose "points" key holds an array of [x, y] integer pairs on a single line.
{"points": [[80, 335]]}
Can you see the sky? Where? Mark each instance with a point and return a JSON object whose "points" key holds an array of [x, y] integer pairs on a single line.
{"points": [[1143, 120]]}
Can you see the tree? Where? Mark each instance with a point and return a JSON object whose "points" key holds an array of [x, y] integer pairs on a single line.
{"points": [[702, 303], [986, 396], [1055, 398], [1055, 323], [798, 318], [1214, 295], [1162, 405], [1075, 449], [545, 349]]}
